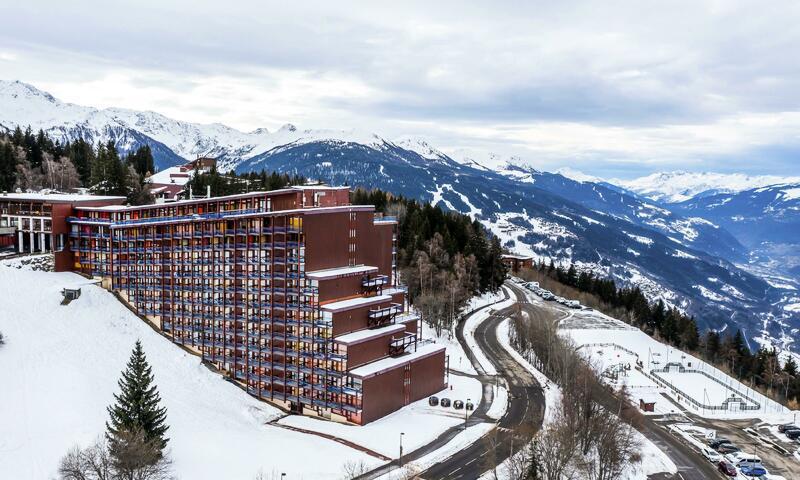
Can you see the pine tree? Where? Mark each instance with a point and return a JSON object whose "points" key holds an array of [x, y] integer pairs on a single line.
{"points": [[137, 410]]}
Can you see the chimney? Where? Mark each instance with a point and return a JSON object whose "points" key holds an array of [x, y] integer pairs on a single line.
{"points": [[208, 191]]}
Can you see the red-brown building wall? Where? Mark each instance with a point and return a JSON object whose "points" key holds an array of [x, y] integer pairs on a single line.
{"points": [[384, 393], [354, 319]]}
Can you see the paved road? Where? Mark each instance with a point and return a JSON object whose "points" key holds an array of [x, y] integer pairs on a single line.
{"points": [[526, 408]]}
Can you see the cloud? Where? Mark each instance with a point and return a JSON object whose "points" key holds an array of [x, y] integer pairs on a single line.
{"points": [[687, 83]]}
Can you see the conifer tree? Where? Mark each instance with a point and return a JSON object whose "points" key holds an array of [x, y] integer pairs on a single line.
{"points": [[137, 410]]}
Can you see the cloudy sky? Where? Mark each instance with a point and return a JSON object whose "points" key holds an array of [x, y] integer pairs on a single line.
{"points": [[616, 89]]}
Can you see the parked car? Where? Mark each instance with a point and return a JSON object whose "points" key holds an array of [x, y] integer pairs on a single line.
{"points": [[727, 448], [792, 434], [469, 406], [445, 402], [753, 470], [433, 401], [717, 442], [727, 469], [574, 304], [739, 459], [788, 426], [458, 404], [711, 455]]}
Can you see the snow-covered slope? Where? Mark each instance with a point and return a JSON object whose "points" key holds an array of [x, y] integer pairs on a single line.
{"points": [[673, 187], [59, 368]]}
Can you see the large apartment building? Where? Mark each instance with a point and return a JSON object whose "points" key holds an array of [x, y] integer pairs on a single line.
{"points": [[293, 293]]}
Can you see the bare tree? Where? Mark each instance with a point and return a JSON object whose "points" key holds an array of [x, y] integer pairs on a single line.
{"points": [[140, 460], [353, 469], [59, 174], [92, 463]]}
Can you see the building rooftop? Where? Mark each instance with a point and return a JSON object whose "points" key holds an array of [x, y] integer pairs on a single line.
{"points": [[375, 368], [355, 303], [58, 197], [368, 334], [517, 257], [223, 198], [340, 272]]}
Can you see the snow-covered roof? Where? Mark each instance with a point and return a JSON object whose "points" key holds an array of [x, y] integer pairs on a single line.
{"points": [[340, 272], [355, 303], [57, 197], [518, 257], [386, 364], [171, 175], [368, 334]]}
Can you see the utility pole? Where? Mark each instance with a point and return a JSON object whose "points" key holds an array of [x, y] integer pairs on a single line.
{"points": [[466, 411], [400, 459]]}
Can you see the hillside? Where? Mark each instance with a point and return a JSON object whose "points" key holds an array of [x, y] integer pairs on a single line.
{"points": [[72, 355]]}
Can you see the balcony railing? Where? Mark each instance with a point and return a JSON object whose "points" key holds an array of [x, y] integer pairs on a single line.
{"points": [[377, 281]]}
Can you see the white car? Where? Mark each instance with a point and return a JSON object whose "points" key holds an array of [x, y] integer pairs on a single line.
{"points": [[711, 455]]}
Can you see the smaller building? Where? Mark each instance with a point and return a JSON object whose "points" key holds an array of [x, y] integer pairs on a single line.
{"points": [[169, 185], [37, 222], [517, 262]]}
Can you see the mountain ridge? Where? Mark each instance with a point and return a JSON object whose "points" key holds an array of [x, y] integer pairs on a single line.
{"points": [[684, 259]]}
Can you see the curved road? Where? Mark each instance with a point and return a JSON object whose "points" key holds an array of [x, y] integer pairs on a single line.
{"points": [[526, 408]]}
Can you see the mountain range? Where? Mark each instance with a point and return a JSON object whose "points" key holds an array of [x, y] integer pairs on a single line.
{"points": [[718, 247]]}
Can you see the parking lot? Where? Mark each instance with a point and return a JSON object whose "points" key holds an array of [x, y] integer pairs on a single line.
{"points": [[752, 437]]}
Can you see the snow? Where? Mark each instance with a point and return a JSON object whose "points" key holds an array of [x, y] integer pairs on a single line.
{"points": [[459, 442], [653, 460], [57, 197], [355, 303], [419, 422], [641, 239], [608, 342], [673, 187], [166, 176], [390, 363], [367, 333], [23, 104], [458, 359], [472, 324], [340, 272], [64, 361], [682, 254], [791, 194], [709, 294]]}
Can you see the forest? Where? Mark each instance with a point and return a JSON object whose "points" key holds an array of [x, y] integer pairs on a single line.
{"points": [[32, 161]]}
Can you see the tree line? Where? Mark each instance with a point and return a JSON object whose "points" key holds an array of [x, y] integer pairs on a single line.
{"points": [[32, 162], [445, 258], [729, 352], [232, 183]]}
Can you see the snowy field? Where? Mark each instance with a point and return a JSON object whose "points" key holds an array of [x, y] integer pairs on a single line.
{"points": [[610, 343], [60, 366]]}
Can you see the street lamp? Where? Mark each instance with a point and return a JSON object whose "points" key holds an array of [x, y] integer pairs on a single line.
{"points": [[466, 411], [400, 460]]}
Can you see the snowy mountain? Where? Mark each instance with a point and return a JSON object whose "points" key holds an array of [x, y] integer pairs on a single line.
{"points": [[766, 220], [173, 141], [550, 216], [674, 187], [683, 257]]}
